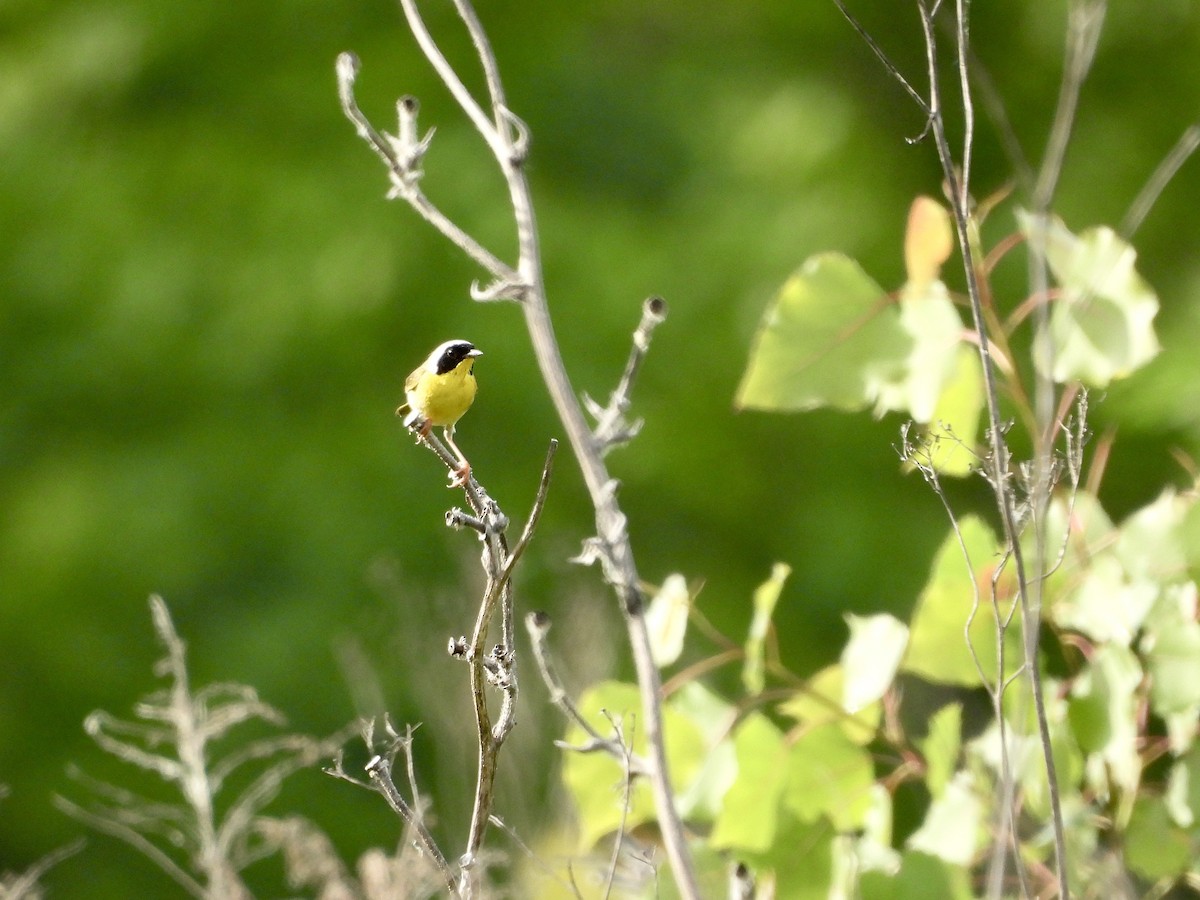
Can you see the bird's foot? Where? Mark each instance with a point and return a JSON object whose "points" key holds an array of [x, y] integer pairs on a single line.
{"points": [[460, 476]]}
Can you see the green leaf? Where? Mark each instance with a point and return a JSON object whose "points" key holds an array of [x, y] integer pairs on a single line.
{"points": [[597, 782], [801, 860], [829, 775], [1102, 326], [951, 829], [921, 877], [766, 595], [748, 816], [1154, 846], [1103, 714], [955, 593], [949, 441], [870, 658], [1171, 646], [831, 337], [819, 703], [930, 318], [940, 747], [711, 715]]}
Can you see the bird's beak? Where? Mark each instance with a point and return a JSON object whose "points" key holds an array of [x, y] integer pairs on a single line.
{"points": [[474, 352]]}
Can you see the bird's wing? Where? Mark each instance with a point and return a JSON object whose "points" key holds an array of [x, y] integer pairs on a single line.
{"points": [[410, 383]]}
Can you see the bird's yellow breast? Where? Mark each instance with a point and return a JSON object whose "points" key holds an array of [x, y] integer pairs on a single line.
{"points": [[442, 399]]}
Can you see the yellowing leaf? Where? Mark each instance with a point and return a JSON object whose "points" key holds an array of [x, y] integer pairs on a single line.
{"points": [[1102, 326], [928, 240], [831, 337]]}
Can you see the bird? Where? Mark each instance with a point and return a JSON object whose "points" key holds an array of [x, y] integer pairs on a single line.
{"points": [[439, 392]]}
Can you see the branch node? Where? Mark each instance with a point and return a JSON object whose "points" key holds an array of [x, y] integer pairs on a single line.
{"points": [[612, 427], [517, 136], [458, 519], [500, 289]]}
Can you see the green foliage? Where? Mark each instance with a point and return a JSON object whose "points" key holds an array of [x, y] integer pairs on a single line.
{"points": [[208, 311], [833, 337], [1101, 326], [809, 808]]}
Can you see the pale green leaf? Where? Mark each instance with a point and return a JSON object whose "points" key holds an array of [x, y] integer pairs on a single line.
{"points": [[949, 441], [870, 658], [951, 830], [1103, 717], [873, 847], [1154, 846], [666, 620], [1104, 605], [597, 781], [748, 816], [766, 595], [1102, 326], [1171, 646], [710, 714], [930, 318], [1182, 798], [831, 337], [829, 775], [940, 747], [819, 703], [938, 647], [1150, 545]]}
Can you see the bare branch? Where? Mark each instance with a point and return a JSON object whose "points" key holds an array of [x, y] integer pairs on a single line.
{"points": [[883, 58], [1085, 19], [25, 885], [508, 139], [612, 428], [402, 155], [1148, 195], [379, 769], [537, 624]]}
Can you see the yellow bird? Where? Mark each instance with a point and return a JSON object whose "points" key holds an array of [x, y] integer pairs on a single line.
{"points": [[439, 392]]}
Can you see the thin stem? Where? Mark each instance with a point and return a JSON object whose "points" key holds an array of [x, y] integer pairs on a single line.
{"points": [[380, 771], [1000, 455], [1148, 195]]}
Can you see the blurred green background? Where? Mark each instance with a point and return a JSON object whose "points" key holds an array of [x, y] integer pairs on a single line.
{"points": [[207, 311]]}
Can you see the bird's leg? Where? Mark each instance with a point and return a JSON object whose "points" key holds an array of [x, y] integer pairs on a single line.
{"points": [[459, 476]]}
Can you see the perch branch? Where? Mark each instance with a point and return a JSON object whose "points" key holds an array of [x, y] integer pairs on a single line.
{"points": [[507, 137]]}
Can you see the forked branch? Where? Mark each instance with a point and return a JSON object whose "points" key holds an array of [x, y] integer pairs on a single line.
{"points": [[508, 139]]}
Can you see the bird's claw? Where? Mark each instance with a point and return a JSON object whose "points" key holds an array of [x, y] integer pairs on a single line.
{"points": [[460, 476]]}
